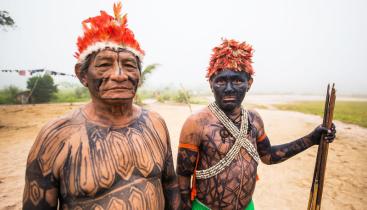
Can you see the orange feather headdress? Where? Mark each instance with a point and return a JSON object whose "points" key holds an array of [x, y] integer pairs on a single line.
{"points": [[233, 55], [105, 31]]}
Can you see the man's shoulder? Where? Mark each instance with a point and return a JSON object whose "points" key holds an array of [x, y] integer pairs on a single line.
{"points": [[54, 133], [73, 117], [253, 113], [154, 117], [202, 114], [255, 118], [151, 114], [198, 120]]}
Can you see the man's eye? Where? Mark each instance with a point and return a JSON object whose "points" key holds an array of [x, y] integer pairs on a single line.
{"points": [[237, 81], [221, 82], [104, 65], [130, 66]]}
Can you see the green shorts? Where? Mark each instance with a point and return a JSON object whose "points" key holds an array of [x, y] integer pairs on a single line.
{"points": [[197, 205]]}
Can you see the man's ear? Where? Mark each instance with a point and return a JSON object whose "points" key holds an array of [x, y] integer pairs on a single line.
{"points": [[249, 82], [82, 77]]}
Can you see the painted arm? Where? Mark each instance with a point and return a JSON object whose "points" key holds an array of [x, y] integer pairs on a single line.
{"points": [[276, 154], [41, 188], [40, 192], [187, 158]]}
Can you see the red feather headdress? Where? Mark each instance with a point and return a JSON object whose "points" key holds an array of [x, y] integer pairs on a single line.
{"points": [[231, 55], [105, 31]]}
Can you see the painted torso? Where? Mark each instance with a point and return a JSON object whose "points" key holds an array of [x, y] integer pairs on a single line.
{"points": [[101, 167], [234, 186]]}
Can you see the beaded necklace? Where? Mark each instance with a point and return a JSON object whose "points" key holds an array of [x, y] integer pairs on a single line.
{"points": [[241, 141]]}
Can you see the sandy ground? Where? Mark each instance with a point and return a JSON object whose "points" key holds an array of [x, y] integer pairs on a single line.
{"points": [[283, 186]]}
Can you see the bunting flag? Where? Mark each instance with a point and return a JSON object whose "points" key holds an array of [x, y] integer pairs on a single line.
{"points": [[22, 73], [34, 71]]}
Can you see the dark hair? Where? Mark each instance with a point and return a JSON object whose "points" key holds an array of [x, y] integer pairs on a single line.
{"points": [[85, 64], [139, 63]]}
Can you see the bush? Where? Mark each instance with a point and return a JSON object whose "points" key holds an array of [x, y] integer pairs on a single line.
{"points": [[142, 95], [42, 88], [78, 94], [8, 95], [82, 93], [182, 96], [162, 96], [169, 94], [179, 96]]}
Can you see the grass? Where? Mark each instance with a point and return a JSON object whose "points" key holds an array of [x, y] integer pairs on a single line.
{"points": [[79, 94], [346, 111], [170, 95], [255, 106]]}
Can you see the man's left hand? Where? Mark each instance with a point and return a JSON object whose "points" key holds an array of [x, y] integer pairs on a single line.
{"points": [[329, 134]]}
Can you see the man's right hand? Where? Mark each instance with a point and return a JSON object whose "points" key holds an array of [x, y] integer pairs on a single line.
{"points": [[329, 134]]}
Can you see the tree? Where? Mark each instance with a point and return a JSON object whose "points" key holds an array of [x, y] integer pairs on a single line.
{"points": [[5, 19], [144, 74], [146, 71], [8, 94], [42, 88]]}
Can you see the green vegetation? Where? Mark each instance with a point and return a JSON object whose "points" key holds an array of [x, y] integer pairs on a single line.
{"points": [[255, 106], [75, 94], [8, 95], [147, 71], [5, 19], [179, 96], [78, 94], [144, 75], [172, 95], [165, 94], [347, 111], [42, 88]]}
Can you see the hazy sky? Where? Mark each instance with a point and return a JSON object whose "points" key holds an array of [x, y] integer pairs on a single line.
{"points": [[300, 46]]}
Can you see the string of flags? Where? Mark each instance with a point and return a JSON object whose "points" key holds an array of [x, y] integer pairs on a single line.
{"points": [[34, 71]]}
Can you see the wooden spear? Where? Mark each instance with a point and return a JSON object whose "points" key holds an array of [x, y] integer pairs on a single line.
{"points": [[314, 202]]}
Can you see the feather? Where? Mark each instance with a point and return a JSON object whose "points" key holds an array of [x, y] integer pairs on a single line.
{"points": [[117, 10], [231, 54], [104, 30]]}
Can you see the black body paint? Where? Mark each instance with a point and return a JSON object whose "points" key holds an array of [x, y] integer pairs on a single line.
{"points": [[229, 88]]}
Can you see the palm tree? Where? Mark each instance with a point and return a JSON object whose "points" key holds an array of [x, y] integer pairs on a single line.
{"points": [[144, 74], [146, 71]]}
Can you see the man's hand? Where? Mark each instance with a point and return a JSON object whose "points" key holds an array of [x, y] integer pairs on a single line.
{"points": [[319, 130]]}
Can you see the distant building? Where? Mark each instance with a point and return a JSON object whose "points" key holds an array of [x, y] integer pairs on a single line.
{"points": [[23, 97]]}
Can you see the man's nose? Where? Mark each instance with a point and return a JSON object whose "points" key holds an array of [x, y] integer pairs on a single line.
{"points": [[118, 74], [229, 88]]}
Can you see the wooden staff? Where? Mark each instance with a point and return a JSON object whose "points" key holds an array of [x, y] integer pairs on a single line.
{"points": [[314, 201]]}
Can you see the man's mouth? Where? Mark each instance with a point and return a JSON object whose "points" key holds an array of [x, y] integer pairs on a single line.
{"points": [[117, 88], [229, 98]]}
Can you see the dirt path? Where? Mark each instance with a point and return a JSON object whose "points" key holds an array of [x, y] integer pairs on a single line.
{"points": [[283, 186]]}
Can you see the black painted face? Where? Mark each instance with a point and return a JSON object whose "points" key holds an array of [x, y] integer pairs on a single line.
{"points": [[229, 88], [113, 76]]}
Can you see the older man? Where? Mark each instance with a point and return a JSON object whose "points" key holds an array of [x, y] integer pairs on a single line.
{"points": [[109, 154], [222, 144]]}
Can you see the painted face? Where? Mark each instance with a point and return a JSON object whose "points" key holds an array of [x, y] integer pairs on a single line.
{"points": [[229, 88], [113, 76]]}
